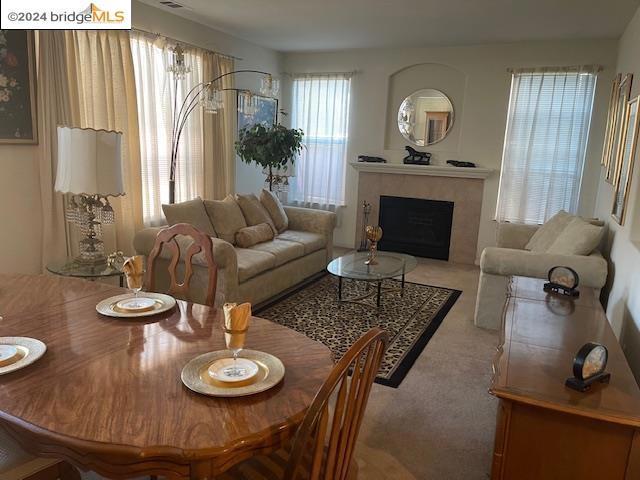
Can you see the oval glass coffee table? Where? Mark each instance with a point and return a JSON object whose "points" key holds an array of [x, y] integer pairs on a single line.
{"points": [[388, 265]]}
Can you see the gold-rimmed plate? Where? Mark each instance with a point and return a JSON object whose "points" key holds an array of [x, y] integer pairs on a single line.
{"points": [[113, 306], [196, 376], [19, 352]]}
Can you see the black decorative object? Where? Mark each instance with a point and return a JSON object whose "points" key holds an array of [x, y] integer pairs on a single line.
{"points": [[368, 159], [588, 367], [416, 158], [458, 163], [563, 281]]}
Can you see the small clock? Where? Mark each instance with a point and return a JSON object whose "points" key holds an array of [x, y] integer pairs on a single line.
{"points": [[563, 281], [588, 367]]}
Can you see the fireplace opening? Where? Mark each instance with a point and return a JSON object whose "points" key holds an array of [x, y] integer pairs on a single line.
{"points": [[416, 226]]}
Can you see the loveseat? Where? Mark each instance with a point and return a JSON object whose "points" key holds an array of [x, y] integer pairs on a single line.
{"points": [[512, 257], [255, 273]]}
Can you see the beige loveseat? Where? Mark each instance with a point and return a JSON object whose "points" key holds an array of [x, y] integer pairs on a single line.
{"points": [[261, 271], [509, 258]]}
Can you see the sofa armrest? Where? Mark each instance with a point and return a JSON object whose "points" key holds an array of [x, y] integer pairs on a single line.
{"points": [[514, 235], [311, 220], [592, 269], [223, 252]]}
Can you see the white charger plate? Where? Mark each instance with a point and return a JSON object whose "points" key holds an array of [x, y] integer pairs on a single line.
{"points": [[109, 306], [20, 352]]}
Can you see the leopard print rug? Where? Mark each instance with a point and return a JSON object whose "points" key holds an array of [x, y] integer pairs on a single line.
{"points": [[410, 320]]}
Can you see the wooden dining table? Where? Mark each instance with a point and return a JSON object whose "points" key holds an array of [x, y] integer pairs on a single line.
{"points": [[107, 394]]}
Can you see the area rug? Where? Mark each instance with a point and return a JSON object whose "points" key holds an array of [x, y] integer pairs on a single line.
{"points": [[410, 320]]}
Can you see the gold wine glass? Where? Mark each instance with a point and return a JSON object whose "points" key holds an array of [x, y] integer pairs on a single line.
{"points": [[236, 324], [133, 268]]}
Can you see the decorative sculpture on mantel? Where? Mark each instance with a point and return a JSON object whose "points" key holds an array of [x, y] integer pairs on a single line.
{"points": [[374, 234], [415, 157], [366, 210]]}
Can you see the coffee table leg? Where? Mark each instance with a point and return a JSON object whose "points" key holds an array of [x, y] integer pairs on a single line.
{"points": [[379, 292], [339, 289], [402, 286]]}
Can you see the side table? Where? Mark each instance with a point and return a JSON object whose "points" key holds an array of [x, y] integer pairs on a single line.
{"points": [[69, 267]]}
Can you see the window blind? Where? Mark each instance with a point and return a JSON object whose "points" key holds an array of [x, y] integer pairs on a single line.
{"points": [[545, 143]]}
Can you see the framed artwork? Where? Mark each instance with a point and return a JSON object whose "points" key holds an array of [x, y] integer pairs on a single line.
{"points": [[18, 123], [611, 120], [266, 110], [627, 157], [622, 99]]}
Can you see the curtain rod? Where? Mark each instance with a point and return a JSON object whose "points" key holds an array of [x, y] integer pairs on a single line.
{"points": [[320, 74], [570, 68], [156, 34]]}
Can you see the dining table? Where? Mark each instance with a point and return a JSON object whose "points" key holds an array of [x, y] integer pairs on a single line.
{"points": [[107, 395]]}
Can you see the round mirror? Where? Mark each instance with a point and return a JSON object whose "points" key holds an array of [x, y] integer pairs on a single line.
{"points": [[425, 117]]}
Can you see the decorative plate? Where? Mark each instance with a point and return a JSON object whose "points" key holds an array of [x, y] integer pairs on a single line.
{"points": [[196, 376], [120, 305], [18, 352], [218, 369]]}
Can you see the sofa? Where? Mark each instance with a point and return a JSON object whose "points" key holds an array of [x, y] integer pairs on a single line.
{"points": [[248, 274], [512, 257]]}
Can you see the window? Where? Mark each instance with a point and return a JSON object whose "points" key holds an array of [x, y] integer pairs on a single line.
{"points": [[320, 107], [156, 92], [545, 143]]}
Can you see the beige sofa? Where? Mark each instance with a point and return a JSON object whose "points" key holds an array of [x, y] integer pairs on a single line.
{"points": [[509, 258], [261, 271]]}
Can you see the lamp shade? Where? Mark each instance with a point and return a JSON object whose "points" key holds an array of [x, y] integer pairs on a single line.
{"points": [[89, 162]]}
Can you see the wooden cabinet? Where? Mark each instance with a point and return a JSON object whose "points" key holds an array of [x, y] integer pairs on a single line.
{"points": [[545, 430]]}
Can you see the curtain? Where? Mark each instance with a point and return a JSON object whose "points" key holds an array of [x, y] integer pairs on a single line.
{"points": [[219, 132], [545, 142], [320, 107], [101, 76]]}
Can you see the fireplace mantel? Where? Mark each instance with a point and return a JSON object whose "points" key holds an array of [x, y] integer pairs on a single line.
{"points": [[431, 170]]}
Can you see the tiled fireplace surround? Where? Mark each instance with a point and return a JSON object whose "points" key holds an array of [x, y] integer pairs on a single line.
{"points": [[457, 185]]}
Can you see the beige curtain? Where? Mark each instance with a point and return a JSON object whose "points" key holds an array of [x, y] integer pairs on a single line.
{"points": [[219, 132], [101, 75]]}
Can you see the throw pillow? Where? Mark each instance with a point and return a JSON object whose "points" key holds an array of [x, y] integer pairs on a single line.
{"points": [[547, 233], [578, 238], [226, 217], [271, 202], [249, 236], [191, 211], [254, 212]]}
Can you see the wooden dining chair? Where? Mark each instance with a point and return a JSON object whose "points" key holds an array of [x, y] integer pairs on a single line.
{"points": [[201, 243], [16, 464], [324, 444]]}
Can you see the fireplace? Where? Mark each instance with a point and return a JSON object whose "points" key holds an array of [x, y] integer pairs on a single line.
{"points": [[416, 226]]}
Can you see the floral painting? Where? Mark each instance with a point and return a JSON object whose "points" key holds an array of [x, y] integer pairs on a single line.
{"points": [[17, 87]]}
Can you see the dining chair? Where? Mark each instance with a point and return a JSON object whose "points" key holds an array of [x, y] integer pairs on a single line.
{"points": [[16, 464], [201, 243], [324, 443]]}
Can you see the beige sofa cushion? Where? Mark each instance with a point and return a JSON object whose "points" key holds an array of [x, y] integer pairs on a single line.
{"points": [[249, 236], [578, 238], [311, 241], [548, 233], [282, 250], [272, 204], [226, 217], [254, 212], [192, 212], [253, 262]]}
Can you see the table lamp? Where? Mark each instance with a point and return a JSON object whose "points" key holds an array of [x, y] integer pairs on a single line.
{"points": [[89, 170]]}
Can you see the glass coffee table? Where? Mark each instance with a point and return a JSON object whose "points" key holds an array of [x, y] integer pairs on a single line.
{"points": [[69, 267], [389, 265]]}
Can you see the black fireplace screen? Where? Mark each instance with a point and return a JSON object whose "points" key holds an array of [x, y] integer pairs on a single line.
{"points": [[416, 226]]}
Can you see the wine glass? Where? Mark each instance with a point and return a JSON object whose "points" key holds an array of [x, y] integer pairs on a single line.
{"points": [[134, 272], [235, 342]]}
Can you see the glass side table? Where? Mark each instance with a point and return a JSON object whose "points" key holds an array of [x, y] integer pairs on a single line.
{"points": [[68, 267]]}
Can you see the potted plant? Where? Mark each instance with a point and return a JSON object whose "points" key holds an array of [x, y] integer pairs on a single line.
{"points": [[270, 146]]}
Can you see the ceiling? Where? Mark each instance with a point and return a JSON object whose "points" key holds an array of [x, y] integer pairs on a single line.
{"points": [[303, 25]]}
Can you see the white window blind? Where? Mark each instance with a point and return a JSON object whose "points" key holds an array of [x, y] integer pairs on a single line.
{"points": [[156, 92], [545, 143], [320, 107]]}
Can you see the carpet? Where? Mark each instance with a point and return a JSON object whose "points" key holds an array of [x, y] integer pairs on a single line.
{"points": [[410, 320]]}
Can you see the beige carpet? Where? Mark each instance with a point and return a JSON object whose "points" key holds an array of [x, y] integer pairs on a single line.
{"points": [[438, 425]]}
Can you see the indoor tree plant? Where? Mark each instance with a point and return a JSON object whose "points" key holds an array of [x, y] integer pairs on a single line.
{"points": [[270, 146]]}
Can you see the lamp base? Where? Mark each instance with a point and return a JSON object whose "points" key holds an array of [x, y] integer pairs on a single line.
{"points": [[91, 251]]}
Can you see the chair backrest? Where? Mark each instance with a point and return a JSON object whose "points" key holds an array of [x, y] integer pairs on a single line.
{"points": [[201, 243], [323, 447]]}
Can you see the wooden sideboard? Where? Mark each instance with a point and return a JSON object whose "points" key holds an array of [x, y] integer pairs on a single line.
{"points": [[544, 430]]}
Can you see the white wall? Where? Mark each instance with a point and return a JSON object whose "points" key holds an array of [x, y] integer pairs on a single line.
{"points": [[482, 105], [20, 208], [623, 305]]}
